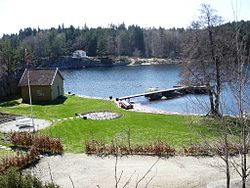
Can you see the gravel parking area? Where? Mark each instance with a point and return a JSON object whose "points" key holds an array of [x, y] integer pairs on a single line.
{"points": [[92, 171]]}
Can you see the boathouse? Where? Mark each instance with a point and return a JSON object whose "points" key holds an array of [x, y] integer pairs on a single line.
{"points": [[45, 84]]}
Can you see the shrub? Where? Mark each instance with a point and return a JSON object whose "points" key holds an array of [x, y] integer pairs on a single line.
{"points": [[23, 139], [197, 150], [19, 161], [12, 178], [233, 149], [158, 148], [42, 143]]}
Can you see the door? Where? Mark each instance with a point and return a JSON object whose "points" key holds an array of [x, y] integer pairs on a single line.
{"points": [[58, 91]]}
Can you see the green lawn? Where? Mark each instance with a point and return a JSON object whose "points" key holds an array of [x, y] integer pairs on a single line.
{"points": [[58, 109], [3, 152], [144, 128]]}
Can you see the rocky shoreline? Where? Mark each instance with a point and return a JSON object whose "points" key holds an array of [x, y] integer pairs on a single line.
{"points": [[152, 61], [67, 62]]}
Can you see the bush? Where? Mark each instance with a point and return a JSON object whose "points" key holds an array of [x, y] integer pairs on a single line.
{"points": [[42, 143], [158, 148], [20, 160], [216, 149], [35, 145], [197, 150], [12, 178]]}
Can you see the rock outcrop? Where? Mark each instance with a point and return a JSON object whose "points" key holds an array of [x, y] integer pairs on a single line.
{"points": [[68, 62]]}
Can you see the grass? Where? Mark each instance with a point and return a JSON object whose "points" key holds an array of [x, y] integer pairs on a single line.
{"points": [[144, 128], [60, 108], [3, 152]]}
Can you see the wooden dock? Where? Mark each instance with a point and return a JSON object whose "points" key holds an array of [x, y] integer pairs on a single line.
{"points": [[171, 92]]}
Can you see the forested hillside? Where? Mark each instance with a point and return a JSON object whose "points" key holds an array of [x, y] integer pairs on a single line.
{"points": [[115, 40]]}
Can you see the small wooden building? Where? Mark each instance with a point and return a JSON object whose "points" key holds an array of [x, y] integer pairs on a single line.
{"points": [[45, 84]]}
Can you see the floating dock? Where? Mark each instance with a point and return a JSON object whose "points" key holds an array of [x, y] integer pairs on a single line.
{"points": [[169, 93]]}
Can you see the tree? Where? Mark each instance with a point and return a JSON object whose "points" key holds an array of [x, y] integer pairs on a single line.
{"points": [[137, 39], [92, 45], [9, 61], [102, 46], [80, 42], [58, 46], [203, 62], [217, 56], [239, 85], [123, 43], [111, 45], [153, 43]]}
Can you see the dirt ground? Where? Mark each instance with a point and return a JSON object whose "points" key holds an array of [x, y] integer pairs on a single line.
{"points": [[92, 171]]}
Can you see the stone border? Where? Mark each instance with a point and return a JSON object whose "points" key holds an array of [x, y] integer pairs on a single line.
{"points": [[100, 115]]}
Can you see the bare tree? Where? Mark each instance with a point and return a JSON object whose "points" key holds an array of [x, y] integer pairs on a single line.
{"points": [[239, 85], [219, 144], [128, 181], [145, 175], [215, 56], [203, 65]]}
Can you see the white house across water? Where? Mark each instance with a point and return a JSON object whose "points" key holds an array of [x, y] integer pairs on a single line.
{"points": [[79, 54]]}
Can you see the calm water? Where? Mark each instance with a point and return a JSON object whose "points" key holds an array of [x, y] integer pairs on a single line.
{"points": [[122, 81]]}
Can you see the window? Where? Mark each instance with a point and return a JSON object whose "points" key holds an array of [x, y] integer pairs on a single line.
{"points": [[39, 93]]}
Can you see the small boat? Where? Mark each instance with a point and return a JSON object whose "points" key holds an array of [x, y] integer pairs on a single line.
{"points": [[125, 104]]}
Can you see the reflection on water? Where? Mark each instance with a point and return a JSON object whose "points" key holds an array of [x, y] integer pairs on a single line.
{"points": [[122, 81]]}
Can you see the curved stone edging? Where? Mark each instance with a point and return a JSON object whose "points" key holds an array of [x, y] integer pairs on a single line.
{"points": [[100, 115]]}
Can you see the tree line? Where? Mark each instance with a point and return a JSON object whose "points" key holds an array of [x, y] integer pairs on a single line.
{"points": [[117, 40], [114, 40]]}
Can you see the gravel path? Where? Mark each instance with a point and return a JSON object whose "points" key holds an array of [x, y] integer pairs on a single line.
{"points": [[92, 171]]}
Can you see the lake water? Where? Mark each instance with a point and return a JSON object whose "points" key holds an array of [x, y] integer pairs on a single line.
{"points": [[123, 81]]}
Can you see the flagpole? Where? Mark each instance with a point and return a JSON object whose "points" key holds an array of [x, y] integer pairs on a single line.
{"points": [[29, 90]]}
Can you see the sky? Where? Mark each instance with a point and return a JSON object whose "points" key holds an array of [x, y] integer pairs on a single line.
{"points": [[19, 14]]}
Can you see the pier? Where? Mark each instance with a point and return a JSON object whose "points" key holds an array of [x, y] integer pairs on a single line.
{"points": [[169, 93]]}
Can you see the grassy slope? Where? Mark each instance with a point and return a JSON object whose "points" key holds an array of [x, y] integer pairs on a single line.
{"points": [[57, 110], [144, 128]]}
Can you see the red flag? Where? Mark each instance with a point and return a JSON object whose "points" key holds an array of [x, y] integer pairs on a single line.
{"points": [[26, 60]]}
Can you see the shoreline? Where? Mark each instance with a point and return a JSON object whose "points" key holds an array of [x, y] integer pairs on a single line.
{"points": [[146, 109], [151, 61], [67, 62], [138, 107]]}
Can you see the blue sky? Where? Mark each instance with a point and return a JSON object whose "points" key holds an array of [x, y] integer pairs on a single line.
{"points": [[18, 14]]}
